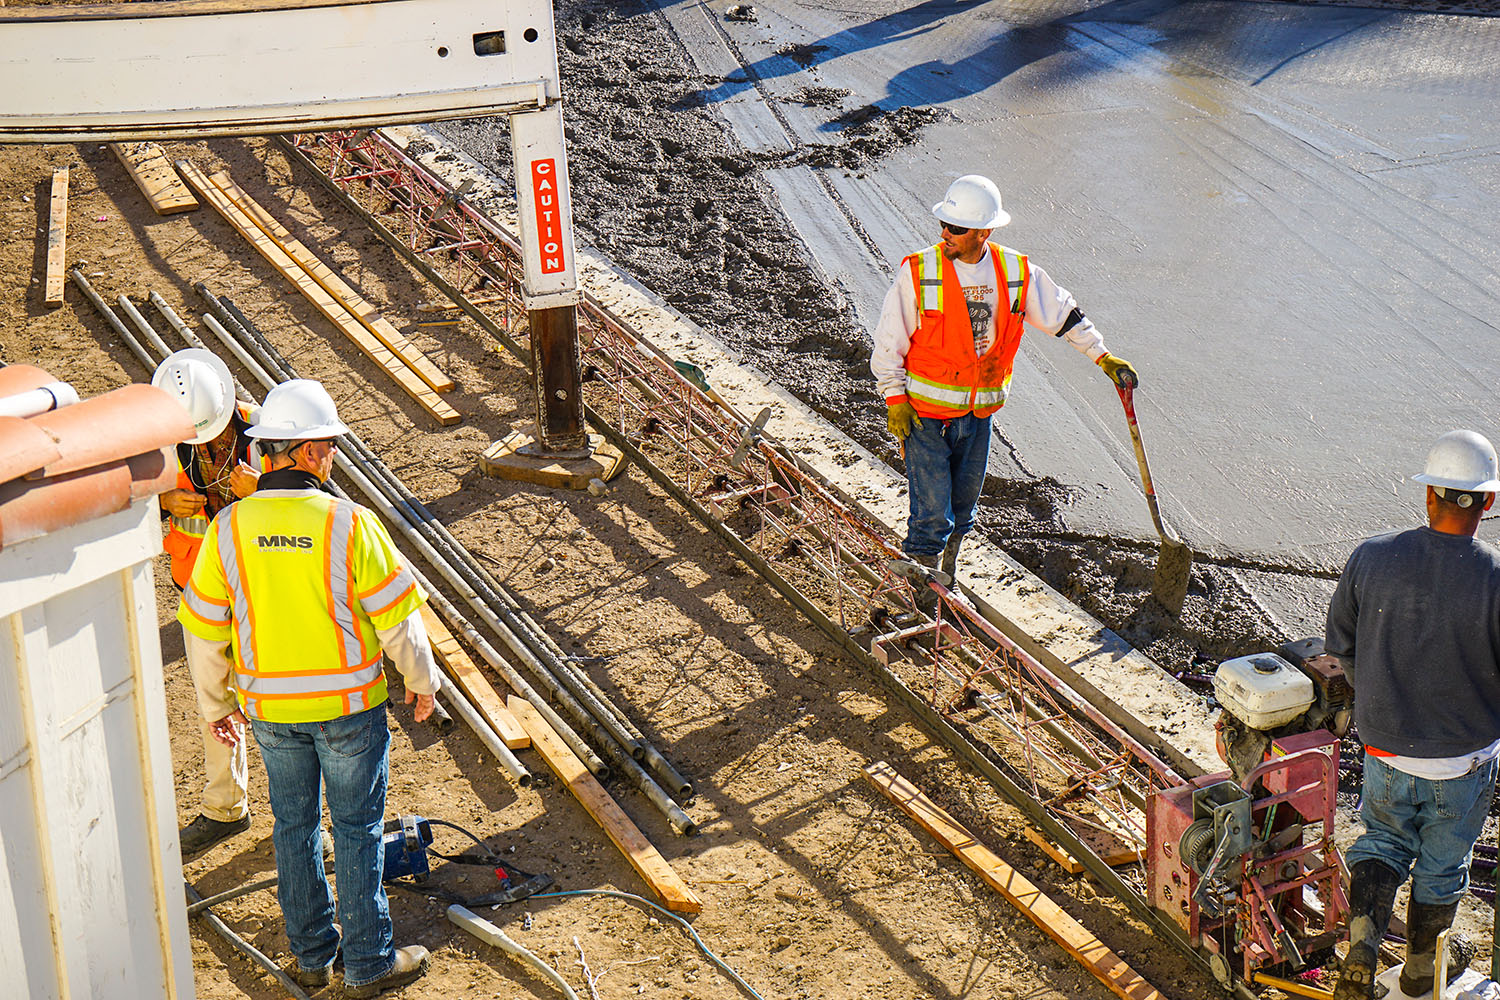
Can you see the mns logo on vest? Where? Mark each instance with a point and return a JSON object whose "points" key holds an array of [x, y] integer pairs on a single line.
{"points": [[277, 543]]}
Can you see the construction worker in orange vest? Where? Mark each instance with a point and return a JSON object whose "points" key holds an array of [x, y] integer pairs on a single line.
{"points": [[294, 596], [214, 469], [945, 346]]}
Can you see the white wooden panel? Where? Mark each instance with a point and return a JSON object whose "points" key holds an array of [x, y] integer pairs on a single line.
{"points": [[129, 77], [89, 819], [25, 935], [34, 571]]}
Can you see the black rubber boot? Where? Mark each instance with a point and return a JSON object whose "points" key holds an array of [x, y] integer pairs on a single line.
{"points": [[203, 833], [1372, 896], [950, 557], [1424, 922]]}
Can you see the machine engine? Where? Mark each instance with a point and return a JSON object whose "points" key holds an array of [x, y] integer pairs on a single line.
{"points": [[1266, 696], [1244, 860]]}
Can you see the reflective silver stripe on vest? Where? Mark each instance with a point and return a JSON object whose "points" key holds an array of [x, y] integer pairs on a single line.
{"points": [[229, 560], [930, 278], [1015, 278], [335, 682], [356, 700], [388, 594], [991, 397], [195, 526], [338, 580], [935, 392], [214, 613]]}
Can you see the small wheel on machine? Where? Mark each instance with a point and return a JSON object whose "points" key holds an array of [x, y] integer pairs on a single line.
{"points": [[1219, 966]]}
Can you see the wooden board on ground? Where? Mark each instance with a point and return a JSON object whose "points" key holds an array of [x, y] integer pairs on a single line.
{"points": [[466, 675], [373, 349], [334, 285], [1054, 921], [642, 855], [1070, 864], [505, 459], [57, 238], [152, 172]]}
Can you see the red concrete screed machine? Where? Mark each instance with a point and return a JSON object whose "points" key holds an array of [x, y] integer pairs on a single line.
{"points": [[1243, 861]]}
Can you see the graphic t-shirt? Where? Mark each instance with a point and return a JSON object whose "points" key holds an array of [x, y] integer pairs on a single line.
{"points": [[978, 281]]}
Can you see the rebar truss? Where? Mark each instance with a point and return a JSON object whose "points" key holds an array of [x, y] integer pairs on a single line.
{"points": [[830, 557]]}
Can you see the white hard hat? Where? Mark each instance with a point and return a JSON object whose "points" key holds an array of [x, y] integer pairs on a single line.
{"points": [[1461, 460], [299, 410], [973, 202], [202, 383]]}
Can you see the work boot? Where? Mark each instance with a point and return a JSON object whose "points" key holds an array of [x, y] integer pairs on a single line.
{"points": [[312, 979], [950, 558], [411, 965], [203, 833], [1424, 922], [924, 596], [1372, 896]]}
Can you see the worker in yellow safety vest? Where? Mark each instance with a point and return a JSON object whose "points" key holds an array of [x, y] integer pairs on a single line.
{"points": [[215, 467], [294, 596], [945, 347]]}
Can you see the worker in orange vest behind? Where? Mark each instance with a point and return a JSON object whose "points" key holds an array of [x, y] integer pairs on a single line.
{"points": [[945, 346], [214, 469]]}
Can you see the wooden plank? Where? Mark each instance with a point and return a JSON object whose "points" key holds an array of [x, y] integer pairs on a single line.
{"points": [[467, 676], [57, 239], [152, 172], [1070, 864], [373, 349], [335, 285], [642, 855], [1053, 920]]}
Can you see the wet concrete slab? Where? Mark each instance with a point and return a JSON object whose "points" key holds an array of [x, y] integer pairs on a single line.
{"points": [[1284, 215]]}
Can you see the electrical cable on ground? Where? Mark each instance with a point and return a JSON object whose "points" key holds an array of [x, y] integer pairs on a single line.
{"points": [[631, 897]]}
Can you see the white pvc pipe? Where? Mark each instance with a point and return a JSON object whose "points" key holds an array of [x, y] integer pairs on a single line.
{"points": [[52, 396], [490, 934]]}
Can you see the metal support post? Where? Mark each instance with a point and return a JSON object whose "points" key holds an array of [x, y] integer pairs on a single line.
{"points": [[550, 283]]}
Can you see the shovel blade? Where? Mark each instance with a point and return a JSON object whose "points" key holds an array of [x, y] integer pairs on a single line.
{"points": [[1174, 567]]}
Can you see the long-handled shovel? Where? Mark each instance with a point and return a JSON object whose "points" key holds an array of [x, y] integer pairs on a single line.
{"points": [[1174, 560]]}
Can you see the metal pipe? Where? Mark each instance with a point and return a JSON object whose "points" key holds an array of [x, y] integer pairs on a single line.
{"points": [[222, 929], [113, 320], [486, 733], [147, 330], [241, 355]]}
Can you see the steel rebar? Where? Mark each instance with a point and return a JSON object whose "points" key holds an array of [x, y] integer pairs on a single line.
{"points": [[222, 929]]}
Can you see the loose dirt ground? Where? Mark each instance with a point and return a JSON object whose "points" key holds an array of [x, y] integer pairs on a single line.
{"points": [[813, 886]]}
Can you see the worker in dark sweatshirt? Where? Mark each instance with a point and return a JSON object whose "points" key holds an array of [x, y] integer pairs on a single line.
{"points": [[1416, 622]]}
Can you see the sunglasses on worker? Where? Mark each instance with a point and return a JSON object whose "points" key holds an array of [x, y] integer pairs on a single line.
{"points": [[948, 227]]}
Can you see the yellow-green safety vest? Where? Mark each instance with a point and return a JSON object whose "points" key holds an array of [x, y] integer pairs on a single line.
{"points": [[298, 584]]}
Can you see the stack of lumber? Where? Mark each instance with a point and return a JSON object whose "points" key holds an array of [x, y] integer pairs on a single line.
{"points": [[355, 317]]}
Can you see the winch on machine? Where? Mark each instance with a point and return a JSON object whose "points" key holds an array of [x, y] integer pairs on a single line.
{"points": [[1244, 860]]}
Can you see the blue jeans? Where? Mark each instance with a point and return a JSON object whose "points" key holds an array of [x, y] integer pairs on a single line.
{"points": [[945, 462], [349, 756], [1427, 828]]}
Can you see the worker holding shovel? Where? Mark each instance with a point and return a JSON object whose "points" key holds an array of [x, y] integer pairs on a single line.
{"points": [[945, 346]]}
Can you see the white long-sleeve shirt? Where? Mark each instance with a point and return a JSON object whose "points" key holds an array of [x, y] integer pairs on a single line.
{"points": [[406, 643], [1047, 308]]}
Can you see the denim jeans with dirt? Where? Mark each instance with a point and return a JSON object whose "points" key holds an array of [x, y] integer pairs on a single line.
{"points": [[945, 463], [1424, 827], [348, 756]]}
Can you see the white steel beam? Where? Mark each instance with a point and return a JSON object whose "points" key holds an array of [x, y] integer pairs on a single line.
{"points": [[188, 69]]}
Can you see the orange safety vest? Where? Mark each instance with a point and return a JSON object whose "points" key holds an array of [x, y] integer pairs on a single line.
{"points": [[185, 534], [944, 377]]}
